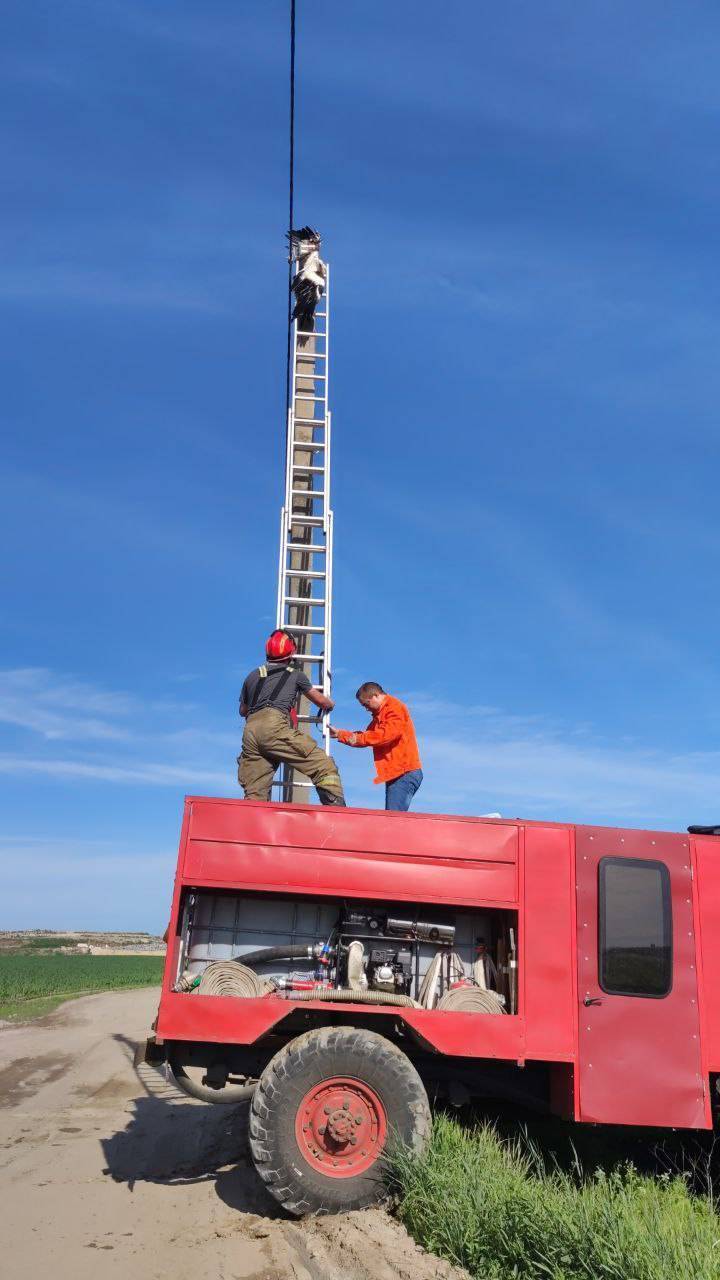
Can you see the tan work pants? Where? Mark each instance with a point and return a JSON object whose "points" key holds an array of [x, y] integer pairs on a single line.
{"points": [[269, 740]]}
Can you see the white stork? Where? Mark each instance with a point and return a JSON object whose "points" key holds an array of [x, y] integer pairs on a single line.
{"points": [[310, 278]]}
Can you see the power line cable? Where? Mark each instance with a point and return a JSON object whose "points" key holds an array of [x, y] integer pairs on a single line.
{"points": [[292, 197]]}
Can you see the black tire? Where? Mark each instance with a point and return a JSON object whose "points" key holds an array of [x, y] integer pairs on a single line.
{"points": [[291, 1174]]}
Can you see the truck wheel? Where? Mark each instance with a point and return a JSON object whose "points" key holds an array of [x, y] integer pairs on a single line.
{"points": [[322, 1113]]}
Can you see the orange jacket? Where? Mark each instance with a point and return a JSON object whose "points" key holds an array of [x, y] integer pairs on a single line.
{"points": [[391, 735]]}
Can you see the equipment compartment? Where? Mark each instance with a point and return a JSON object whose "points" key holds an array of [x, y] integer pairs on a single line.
{"points": [[379, 952]]}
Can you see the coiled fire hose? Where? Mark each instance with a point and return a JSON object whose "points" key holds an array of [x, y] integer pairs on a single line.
{"points": [[470, 1000], [226, 978]]}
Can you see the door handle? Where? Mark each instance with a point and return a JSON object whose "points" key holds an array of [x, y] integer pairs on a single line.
{"points": [[591, 1000]]}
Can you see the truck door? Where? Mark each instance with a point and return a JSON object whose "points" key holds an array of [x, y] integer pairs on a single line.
{"points": [[638, 1024]]}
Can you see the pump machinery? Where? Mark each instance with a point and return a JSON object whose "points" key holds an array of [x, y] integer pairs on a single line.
{"points": [[336, 968]]}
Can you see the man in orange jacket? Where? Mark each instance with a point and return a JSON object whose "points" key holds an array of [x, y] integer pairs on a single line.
{"points": [[391, 735]]}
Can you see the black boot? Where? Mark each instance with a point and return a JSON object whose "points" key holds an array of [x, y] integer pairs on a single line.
{"points": [[330, 797]]}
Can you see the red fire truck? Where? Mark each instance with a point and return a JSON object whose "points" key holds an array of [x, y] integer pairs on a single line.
{"points": [[339, 966]]}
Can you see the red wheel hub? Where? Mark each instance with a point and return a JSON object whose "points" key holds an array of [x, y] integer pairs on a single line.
{"points": [[341, 1127]]}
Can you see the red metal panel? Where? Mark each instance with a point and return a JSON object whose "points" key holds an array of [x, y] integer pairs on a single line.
{"points": [[547, 950], [707, 864], [218, 1019], [354, 830], [350, 853], [227, 1020], [639, 1058], [326, 872], [170, 971]]}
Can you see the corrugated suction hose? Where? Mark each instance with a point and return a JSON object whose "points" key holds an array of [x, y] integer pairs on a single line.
{"points": [[230, 1096], [289, 951], [343, 994], [228, 978], [470, 1000]]}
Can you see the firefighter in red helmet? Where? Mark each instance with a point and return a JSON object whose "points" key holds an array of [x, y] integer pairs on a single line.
{"points": [[271, 736]]}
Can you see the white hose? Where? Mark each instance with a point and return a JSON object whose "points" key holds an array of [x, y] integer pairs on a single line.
{"points": [[428, 991], [228, 978], [356, 977]]}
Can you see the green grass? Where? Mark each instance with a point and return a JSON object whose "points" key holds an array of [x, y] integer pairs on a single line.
{"points": [[31, 984], [501, 1210]]}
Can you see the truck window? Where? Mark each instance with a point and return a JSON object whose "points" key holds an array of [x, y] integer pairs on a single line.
{"points": [[635, 927]]}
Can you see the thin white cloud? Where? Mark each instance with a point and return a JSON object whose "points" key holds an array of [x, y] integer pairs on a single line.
{"points": [[66, 691], [146, 774], [476, 758], [84, 885], [32, 698], [57, 706]]}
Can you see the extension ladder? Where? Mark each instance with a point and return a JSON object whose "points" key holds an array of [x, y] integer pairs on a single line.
{"points": [[304, 597]]}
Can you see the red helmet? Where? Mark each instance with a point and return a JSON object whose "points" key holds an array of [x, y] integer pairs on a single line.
{"points": [[281, 644]]}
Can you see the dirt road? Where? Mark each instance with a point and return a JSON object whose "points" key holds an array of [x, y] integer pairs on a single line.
{"points": [[111, 1172]]}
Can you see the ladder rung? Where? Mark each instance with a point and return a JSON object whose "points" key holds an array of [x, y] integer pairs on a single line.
{"points": [[302, 354], [304, 546], [297, 517], [307, 493], [304, 573], [307, 657], [306, 470], [311, 377], [312, 422], [309, 600], [317, 399], [308, 333], [315, 631], [280, 783]]}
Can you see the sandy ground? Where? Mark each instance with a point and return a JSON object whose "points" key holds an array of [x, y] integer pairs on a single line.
{"points": [[107, 1171]]}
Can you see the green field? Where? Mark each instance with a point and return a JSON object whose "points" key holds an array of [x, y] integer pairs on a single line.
{"points": [[504, 1210], [32, 984]]}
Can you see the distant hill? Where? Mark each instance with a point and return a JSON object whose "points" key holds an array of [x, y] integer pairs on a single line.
{"points": [[93, 941]]}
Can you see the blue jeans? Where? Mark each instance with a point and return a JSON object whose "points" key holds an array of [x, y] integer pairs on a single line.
{"points": [[400, 791]]}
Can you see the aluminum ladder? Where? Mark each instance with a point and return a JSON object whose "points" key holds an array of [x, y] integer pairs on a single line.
{"points": [[304, 596]]}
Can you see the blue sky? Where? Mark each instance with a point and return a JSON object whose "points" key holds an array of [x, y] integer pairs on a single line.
{"points": [[520, 208]]}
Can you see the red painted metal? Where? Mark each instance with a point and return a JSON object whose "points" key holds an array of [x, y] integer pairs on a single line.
{"points": [[361, 853], [629, 1060], [341, 1127], [216, 1020], [706, 861], [639, 1059], [547, 980]]}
